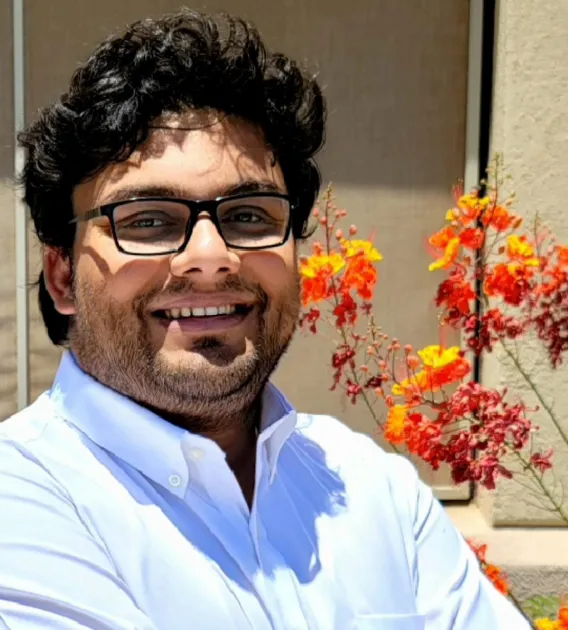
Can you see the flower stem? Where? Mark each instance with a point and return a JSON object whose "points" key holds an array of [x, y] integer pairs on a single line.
{"points": [[557, 506], [534, 388]]}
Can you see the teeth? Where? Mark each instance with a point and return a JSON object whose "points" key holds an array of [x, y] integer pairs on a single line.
{"points": [[199, 311]]}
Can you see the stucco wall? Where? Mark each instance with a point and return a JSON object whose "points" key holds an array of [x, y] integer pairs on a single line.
{"points": [[530, 127]]}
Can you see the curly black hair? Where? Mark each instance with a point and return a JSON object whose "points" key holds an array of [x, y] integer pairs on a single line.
{"points": [[186, 60]]}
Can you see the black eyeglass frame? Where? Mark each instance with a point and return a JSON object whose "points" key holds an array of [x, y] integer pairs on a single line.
{"points": [[196, 208]]}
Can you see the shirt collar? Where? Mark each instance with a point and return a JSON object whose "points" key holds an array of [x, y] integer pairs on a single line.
{"points": [[144, 440]]}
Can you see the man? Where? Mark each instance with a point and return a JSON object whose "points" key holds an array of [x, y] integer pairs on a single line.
{"points": [[162, 483]]}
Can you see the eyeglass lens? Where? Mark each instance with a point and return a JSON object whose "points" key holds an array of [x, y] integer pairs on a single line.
{"points": [[148, 226]]}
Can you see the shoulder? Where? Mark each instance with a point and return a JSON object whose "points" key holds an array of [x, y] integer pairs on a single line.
{"points": [[38, 447], [358, 456], [28, 425]]}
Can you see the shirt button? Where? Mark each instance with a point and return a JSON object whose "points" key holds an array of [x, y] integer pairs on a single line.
{"points": [[175, 481], [196, 454]]}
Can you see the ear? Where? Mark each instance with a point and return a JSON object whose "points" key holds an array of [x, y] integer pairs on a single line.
{"points": [[58, 275]]}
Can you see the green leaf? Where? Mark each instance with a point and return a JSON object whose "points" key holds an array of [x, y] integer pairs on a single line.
{"points": [[542, 606]]}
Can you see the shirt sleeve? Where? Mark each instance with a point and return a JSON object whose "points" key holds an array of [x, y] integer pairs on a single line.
{"points": [[53, 572], [451, 589]]}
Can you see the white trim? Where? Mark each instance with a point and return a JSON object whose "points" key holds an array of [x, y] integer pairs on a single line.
{"points": [[473, 106], [21, 214]]}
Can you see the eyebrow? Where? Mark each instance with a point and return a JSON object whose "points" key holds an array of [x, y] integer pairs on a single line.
{"points": [[133, 192]]}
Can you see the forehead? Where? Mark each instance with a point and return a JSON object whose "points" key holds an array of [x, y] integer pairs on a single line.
{"points": [[196, 155]]}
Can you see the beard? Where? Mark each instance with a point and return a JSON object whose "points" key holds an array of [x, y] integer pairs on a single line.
{"points": [[202, 388]]}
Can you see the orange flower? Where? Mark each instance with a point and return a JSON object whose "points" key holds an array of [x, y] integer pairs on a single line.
{"points": [[497, 577], [440, 239], [442, 366], [563, 618], [494, 573], [500, 219], [468, 209], [554, 278], [562, 251], [520, 250], [361, 274], [396, 424], [316, 273]]}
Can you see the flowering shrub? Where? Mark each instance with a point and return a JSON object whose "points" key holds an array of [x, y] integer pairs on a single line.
{"points": [[501, 282]]}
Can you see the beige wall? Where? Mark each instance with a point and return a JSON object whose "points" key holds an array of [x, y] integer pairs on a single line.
{"points": [[530, 126], [395, 75]]}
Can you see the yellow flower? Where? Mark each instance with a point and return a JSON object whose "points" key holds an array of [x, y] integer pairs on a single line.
{"points": [[449, 256], [312, 266], [547, 624], [473, 201], [437, 357], [396, 424], [518, 248], [352, 248]]}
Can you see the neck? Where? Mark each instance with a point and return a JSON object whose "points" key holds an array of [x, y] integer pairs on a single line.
{"points": [[240, 448]]}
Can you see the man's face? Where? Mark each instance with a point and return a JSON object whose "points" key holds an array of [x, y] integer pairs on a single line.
{"points": [[126, 330]]}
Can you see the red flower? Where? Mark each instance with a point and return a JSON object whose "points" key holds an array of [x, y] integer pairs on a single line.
{"points": [[481, 333], [311, 318], [472, 238], [475, 453], [346, 310], [509, 281], [456, 295], [542, 461]]}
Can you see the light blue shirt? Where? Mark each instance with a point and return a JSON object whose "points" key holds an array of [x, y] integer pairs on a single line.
{"points": [[112, 518]]}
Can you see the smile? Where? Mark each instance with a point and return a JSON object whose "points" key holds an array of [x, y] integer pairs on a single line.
{"points": [[204, 312], [200, 311]]}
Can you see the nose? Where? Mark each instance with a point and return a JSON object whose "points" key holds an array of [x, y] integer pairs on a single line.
{"points": [[206, 256]]}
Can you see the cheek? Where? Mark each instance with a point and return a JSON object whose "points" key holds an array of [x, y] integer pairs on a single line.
{"points": [[274, 271], [118, 275]]}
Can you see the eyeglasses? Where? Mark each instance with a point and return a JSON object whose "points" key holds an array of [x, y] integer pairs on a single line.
{"points": [[156, 226]]}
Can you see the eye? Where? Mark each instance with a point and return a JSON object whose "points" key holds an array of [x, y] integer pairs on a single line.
{"points": [[247, 215], [146, 222]]}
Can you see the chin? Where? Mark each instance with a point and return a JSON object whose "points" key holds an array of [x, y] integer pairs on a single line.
{"points": [[208, 356]]}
